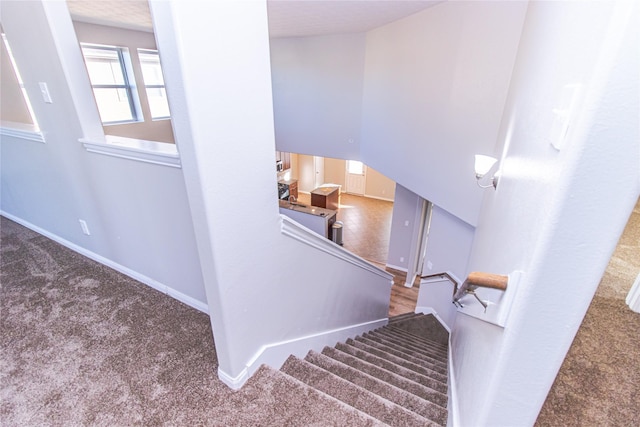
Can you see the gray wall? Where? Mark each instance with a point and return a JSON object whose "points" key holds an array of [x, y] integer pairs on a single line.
{"points": [[317, 94], [137, 213], [434, 89]]}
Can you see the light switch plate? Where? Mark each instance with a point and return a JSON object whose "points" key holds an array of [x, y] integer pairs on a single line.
{"points": [[44, 90]]}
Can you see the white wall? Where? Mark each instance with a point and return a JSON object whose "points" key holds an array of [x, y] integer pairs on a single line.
{"points": [[434, 89], [405, 206], [137, 213], [317, 94], [149, 129], [449, 244], [263, 287], [556, 214]]}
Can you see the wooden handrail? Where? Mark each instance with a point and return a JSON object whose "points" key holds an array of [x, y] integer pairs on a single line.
{"points": [[476, 280], [488, 280]]}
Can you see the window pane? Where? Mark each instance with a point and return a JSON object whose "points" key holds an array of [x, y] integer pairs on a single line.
{"points": [[158, 102], [151, 69], [13, 91], [354, 167], [113, 83], [104, 66], [113, 104], [154, 82]]}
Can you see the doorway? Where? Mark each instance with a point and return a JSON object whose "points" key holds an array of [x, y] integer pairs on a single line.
{"points": [[356, 177]]}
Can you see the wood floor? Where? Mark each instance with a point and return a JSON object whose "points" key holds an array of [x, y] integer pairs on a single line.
{"points": [[367, 227]]}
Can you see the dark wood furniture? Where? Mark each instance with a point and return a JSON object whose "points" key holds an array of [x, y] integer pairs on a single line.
{"points": [[326, 197]]}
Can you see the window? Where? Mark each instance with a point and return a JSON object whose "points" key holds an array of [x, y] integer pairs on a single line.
{"points": [[154, 83], [355, 167], [21, 117], [113, 86]]}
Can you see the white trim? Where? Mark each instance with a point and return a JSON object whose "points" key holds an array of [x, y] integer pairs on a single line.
{"points": [[158, 153], [275, 354], [22, 131], [452, 406], [234, 383], [633, 298], [186, 299], [299, 232]]}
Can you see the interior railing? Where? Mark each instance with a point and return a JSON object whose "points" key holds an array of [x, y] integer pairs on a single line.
{"points": [[477, 280], [443, 275], [474, 281]]}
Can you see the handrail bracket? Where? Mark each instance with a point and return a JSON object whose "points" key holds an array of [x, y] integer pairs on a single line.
{"points": [[477, 280]]}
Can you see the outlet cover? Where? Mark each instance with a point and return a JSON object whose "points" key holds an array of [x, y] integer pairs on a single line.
{"points": [[85, 227]]}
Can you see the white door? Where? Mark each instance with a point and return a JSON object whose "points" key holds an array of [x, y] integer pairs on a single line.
{"points": [[356, 177], [318, 167]]}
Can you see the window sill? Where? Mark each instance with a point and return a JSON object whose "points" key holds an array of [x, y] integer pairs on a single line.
{"points": [[22, 131], [159, 153]]}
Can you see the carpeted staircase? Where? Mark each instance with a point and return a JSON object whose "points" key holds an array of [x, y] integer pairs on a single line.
{"points": [[396, 374]]}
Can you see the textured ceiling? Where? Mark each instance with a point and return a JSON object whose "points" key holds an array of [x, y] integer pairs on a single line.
{"points": [[287, 18], [131, 14]]}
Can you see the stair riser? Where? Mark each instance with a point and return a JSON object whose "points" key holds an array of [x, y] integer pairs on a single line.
{"points": [[394, 394], [353, 395], [403, 346], [393, 375], [399, 381], [396, 329], [435, 353], [388, 366], [416, 357], [420, 369]]}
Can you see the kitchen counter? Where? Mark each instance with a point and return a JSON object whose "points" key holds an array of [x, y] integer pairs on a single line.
{"points": [[311, 210], [314, 218], [326, 196]]}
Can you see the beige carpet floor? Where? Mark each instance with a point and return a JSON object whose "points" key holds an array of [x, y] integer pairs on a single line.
{"points": [[82, 345], [599, 381]]}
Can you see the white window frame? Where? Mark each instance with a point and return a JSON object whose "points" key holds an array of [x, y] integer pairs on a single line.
{"points": [[153, 86], [129, 82]]}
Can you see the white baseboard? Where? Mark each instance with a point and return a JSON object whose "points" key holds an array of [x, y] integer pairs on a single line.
{"points": [[276, 354], [186, 299], [453, 420]]}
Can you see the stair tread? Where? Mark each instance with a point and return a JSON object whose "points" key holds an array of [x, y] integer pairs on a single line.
{"points": [[425, 326], [413, 337], [416, 357], [425, 380], [427, 393], [417, 338], [404, 316], [398, 343], [352, 394], [316, 407], [402, 340], [421, 368], [434, 411]]}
